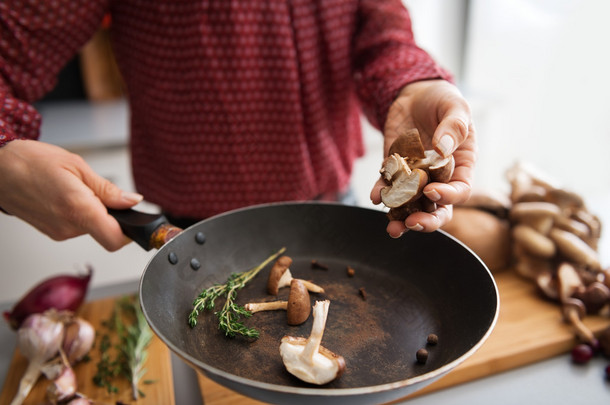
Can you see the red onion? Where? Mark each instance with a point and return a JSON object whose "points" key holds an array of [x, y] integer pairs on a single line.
{"points": [[63, 292]]}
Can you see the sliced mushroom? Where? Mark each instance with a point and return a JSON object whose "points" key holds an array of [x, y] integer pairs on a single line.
{"points": [[407, 185], [575, 249], [573, 311], [306, 359], [409, 145], [439, 168], [298, 306], [280, 276], [393, 164]]}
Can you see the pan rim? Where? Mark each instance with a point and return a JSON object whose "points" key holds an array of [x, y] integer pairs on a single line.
{"points": [[430, 376]]}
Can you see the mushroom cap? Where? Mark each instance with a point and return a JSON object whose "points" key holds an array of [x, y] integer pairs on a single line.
{"points": [[533, 241], [595, 296], [299, 305], [575, 249], [548, 285], [405, 187], [277, 272], [528, 210], [574, 304], [326, 366], [408, 144]]}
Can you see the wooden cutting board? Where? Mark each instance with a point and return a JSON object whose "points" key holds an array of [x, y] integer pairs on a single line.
{"points": [[529, 329], [158, 365]]}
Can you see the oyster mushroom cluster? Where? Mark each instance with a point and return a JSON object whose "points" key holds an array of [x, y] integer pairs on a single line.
{"points": [[555, 240], [407, 170]]}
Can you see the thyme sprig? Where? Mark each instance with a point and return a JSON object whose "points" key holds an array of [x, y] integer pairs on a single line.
{"points": [[230, 314]]}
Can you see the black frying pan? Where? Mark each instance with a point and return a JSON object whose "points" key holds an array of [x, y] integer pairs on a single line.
{"points": [[419, 284]]}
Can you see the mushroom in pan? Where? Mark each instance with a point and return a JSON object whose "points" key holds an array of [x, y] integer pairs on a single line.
{"points": [[280, 276], [306, 359], [297, 307]]}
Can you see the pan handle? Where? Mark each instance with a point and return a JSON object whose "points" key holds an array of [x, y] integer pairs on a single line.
{"points": [[151, 231]]}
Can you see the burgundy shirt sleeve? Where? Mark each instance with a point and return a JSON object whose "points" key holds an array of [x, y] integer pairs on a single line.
{"points": [[386, 57], [35, 43]]}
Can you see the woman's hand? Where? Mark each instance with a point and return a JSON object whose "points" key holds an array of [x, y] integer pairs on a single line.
{"points": [[443, 118], [59, 194]]}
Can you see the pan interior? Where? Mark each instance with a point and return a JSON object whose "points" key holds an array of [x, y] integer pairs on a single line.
{"points": [[413, 286]]}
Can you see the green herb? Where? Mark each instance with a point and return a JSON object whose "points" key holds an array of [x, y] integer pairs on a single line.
{"points": [[229, 315], [134, 335]]}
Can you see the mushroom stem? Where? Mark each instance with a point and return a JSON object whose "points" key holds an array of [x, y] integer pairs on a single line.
{"points": [[266, 306], [582, 330], [311, 287], [320, 313]]}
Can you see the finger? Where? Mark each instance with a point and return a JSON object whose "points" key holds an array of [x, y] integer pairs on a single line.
{"points": [[396, 229], [459, 187], [429, 222], [109, 193], [104, 228], [376, 191], [453, 128]]}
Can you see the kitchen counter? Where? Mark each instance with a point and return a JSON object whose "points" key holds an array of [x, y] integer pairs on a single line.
{"points": [[555, 381]]}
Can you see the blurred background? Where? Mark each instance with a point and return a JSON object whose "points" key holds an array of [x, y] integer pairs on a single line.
{"points": [[534, 71]]}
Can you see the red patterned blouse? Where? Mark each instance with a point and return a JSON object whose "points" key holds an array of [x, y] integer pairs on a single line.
{"points": [[232, 102]]}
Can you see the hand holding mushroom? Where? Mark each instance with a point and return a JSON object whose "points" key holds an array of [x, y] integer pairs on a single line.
{"points": [[444, 122], [306, 359]]}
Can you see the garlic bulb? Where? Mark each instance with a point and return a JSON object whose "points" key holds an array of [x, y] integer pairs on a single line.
{"points": [[39, 339], [78, 339]]}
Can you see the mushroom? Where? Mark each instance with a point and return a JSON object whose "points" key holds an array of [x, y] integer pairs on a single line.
{"points": [[393, 164], [533, 241], [306, 359], [573, 311], [409, 145], [575, 249], [538, 214], [406, 186], [280, 276], [422, 204], [297, 307], [595, 297], [440, 169], [548, 285], [569, 281], [491, 201]]}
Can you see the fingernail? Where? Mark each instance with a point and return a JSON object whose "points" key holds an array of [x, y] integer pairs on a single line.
{"points": [[432, 195], [416, 227], [445, 145], [132, 198]]}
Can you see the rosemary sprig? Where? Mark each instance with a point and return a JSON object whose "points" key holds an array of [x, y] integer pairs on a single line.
{"points": [[134, 340], [134, 335], [230, 313]]}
